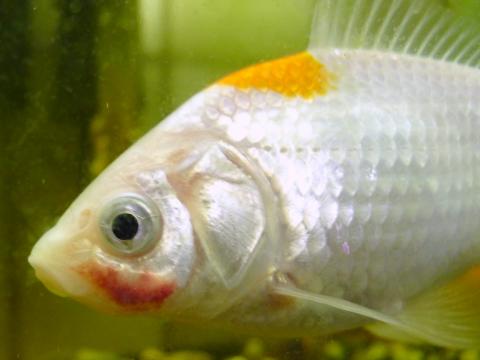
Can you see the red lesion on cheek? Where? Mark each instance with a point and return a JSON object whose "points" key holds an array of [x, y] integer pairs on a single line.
{"points": [[140, 291]]}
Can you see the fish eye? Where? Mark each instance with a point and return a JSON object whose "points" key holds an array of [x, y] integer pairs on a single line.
{"points": [[131, 224], [125, 226]]}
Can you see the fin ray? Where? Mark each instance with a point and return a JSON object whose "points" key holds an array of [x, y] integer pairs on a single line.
{"points": [[336, 303], [388, 18], [423, 28], [428, 39], [350, 25], [368, 24], [450, 313], [418, 28]]}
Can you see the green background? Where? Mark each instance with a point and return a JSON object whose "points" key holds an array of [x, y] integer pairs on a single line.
{"points": [[80, 80]]}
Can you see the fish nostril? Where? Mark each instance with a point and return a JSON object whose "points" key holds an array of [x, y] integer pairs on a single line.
{"points": [[84, 218]]}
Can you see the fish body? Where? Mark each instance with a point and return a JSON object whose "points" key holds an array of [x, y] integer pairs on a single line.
{"points": [[318, 192]]}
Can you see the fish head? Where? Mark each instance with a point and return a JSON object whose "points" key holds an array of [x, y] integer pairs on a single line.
{"points": [[179, 214], [126, 243]]}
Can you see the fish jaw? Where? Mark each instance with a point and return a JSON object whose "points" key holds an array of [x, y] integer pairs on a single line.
{"points": [[49, 262]]}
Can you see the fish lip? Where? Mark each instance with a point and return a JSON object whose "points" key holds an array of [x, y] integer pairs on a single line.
{"points": [[51, 268], [60, 280], [48, 279]]}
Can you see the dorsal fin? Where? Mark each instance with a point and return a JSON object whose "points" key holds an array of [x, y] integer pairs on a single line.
{"points": [[416, 27]]}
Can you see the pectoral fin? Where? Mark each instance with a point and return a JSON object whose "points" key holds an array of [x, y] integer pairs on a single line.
{"points": [[448, 315], [337, 304]]}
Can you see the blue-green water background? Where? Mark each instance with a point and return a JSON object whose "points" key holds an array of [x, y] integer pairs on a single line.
{"points": [[80, 80]]}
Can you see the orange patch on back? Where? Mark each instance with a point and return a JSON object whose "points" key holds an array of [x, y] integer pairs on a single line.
{"points": [[296, 75]]}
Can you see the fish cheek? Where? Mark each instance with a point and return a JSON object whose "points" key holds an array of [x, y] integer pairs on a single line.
{"points": [[134, 292]]}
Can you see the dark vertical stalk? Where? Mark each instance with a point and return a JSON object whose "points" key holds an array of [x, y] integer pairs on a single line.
{"points": [[114, 127], [14, 55], [14, 31], [75, 98]]}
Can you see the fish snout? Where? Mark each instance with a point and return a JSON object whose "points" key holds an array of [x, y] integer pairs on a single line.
{"points": [[50, 261]]}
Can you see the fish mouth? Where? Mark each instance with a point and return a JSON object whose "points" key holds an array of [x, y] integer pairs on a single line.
{"points": [[48, 278], [50, 263], [58, 279]]}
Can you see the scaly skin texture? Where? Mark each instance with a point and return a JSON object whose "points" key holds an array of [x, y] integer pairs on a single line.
{"points": [[376, 181]]}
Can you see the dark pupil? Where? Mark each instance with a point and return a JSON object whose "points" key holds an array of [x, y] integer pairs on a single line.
{"points": [[125, 226]]}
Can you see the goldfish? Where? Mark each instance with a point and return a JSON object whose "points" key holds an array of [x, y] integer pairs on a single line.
{"points": [[326, 190]]}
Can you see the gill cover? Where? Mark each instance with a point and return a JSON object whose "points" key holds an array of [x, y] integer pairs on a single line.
{"points": [[227, 212]]}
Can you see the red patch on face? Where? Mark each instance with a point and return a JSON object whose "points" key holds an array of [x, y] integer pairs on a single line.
{"points": [[142, 292]]}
